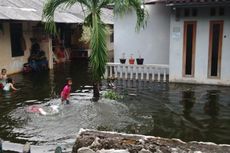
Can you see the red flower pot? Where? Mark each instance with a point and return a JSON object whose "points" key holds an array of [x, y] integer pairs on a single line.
{"points": [[131, 61]]}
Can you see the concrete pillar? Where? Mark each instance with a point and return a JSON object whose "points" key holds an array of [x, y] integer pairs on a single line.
{"points": [[47, 47]]}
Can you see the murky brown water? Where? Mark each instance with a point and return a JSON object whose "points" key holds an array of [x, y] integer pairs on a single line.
{"points": [[187, 112]]}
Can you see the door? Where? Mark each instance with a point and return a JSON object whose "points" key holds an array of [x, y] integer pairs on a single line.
{"points": [[215, 48], [189, 48]]}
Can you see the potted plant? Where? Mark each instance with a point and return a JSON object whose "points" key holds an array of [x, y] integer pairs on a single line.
{"points": [[123, 60], [140, 60], [131, 60]]}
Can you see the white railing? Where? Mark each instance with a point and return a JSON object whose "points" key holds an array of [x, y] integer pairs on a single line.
{"points": [[148, 72]]}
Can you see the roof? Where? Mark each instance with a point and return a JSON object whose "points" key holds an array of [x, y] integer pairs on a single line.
{"points": [[153, 1], [31, 10], [197, 2], [106, 14]]}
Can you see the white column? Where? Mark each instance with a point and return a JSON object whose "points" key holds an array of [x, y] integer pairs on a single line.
{"points": [[110, 71], [106, 71], [147, 73], [159, 75], [126, 72], [115, 71], [142, 72], [136, 72], [153, 73], [164, 77], [121, 71], [131, 72]]}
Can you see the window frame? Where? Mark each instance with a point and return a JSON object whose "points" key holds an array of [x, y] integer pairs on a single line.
{"points": [[16, 37]]}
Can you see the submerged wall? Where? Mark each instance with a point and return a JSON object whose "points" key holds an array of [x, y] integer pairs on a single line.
{"points": [[90, 141]]}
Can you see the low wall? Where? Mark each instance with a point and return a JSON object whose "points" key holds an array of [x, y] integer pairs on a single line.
{"points": [[91, 141]]}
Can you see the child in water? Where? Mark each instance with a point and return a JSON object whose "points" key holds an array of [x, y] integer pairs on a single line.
{"points": [[9, 85], [66, 91], [3, 77]]}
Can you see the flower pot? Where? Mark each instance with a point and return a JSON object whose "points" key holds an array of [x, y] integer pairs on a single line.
{"points": [[131, 61], [140, 61], [122, 60]]}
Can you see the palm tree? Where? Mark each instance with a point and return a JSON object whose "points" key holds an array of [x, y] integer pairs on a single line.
{"points": [[98, 58]]}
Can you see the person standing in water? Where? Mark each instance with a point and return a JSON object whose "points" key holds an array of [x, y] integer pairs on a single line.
{"points": [[3, 78], [66, 91], [9, 85]]}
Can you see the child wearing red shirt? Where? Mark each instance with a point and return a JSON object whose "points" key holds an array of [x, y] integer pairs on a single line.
{"points": [[66, 91]]}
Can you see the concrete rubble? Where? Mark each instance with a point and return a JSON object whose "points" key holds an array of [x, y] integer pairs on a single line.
{"points": [[92, 141]]}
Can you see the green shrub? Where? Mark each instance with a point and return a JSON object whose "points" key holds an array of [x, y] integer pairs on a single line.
{"points": [[112, 95]]}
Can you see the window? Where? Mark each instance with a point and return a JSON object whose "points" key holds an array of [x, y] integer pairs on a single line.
{"points": [[178, 11], [16, 39], [212, 11], [190, 12], [186, 12], [194, 12], [221, 11]]}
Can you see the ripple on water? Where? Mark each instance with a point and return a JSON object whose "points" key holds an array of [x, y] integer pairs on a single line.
{"points": [[62, 127]]}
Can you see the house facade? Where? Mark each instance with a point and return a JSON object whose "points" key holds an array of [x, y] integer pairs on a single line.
{"points": [[199, 42], [192, 37]]}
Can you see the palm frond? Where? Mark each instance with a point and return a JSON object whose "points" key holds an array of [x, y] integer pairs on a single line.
{"points": [[48, 12], [104, 3], [49, 9], [98, 58], [121, 7]]}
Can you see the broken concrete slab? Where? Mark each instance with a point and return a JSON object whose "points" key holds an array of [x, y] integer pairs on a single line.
{"points": [[105, 142]]}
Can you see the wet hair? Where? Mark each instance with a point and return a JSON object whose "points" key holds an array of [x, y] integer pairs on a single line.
{"points": [[9, 80], [3, 70], [68, 79], [35, 46]]}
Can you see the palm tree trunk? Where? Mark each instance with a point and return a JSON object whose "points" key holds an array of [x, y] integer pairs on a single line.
{"points": [[96, 92]]}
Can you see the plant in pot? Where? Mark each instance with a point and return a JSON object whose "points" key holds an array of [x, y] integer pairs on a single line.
{"points": [[131, 60], [123, 59], [140, 60]]}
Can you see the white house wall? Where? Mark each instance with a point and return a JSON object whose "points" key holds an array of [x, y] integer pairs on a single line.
{"points": [[152, 43], [201, 50]]}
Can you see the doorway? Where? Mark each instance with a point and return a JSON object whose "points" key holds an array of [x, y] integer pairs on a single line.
{"points": [[189, 48], [215, 48]]}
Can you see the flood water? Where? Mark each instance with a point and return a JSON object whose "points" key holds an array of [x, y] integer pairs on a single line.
{"points": [[187, 112]]}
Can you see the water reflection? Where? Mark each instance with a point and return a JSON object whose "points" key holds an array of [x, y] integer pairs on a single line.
{"points": [[211, 107], [188, 101]]}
